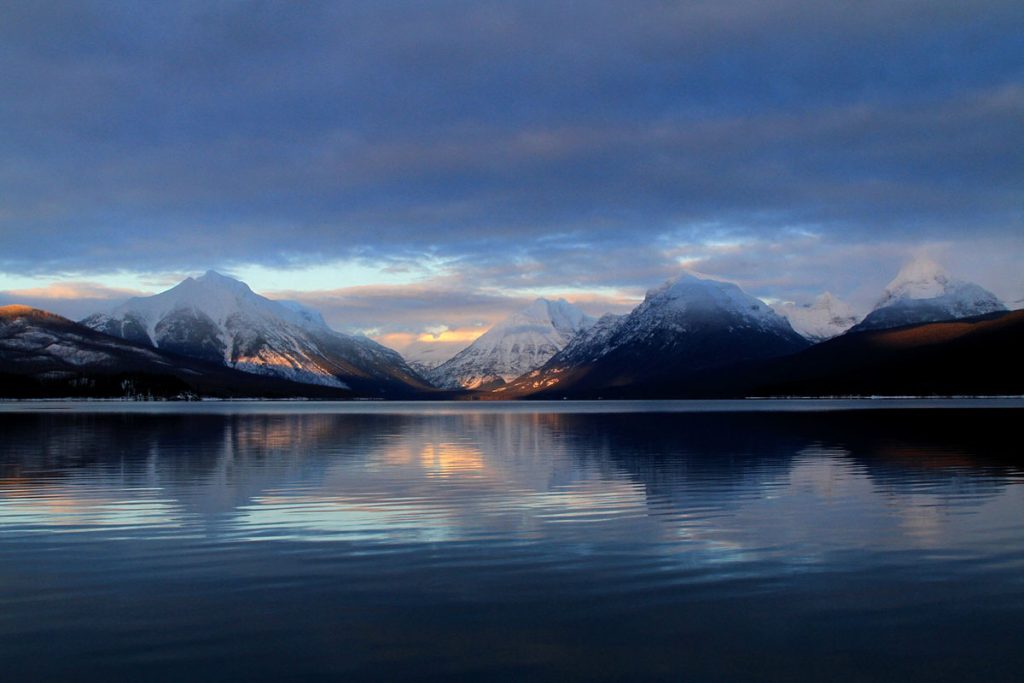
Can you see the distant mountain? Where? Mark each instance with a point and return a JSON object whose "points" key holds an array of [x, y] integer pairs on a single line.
{"points": [[923, 292], [683, 327], [972, 356], [827, 317], [518, 344], [45, 355], [585, 348], [219, 319], [424, 356]]}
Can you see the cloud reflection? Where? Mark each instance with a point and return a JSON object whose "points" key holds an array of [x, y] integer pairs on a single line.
{"points": [[691, 489]]}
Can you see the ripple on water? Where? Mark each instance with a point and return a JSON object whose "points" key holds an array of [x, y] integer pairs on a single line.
{"points": [[166, 541]]}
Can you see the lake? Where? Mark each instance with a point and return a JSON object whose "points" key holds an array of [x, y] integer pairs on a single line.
{"points": [[757, 540]]}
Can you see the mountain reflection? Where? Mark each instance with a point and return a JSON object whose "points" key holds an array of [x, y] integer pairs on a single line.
{"points": [[695, 487]]}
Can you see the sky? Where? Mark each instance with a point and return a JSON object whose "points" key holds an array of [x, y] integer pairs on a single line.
{"points": [[417, 170]]}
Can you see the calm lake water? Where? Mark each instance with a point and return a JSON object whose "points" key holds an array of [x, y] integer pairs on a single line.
{"points": [[632, 541]]}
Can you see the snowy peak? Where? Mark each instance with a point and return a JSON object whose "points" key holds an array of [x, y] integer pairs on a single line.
{"points": [[218, 298], [542, 316], [696, 299], [218, 319], [918, 279], [522, 342], [685, 326], [211, 279], [215, 278], [826, 317], [424, 356], [923, 292]]}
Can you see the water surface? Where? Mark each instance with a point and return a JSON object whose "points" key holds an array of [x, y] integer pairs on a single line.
{"points": [[666, 541]]}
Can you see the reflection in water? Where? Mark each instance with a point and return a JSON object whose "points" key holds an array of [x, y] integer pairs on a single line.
{"points": [[511, 544]]}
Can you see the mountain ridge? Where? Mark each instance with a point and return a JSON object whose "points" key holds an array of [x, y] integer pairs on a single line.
{"points": [[685, 325], [219, 319], [519, 343], [824, 318], [43, 354], [924, 292]]}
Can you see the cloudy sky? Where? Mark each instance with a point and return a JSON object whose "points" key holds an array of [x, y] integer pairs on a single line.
{"points": [[415, 167]]}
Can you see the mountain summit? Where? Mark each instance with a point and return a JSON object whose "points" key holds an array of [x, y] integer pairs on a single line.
{"points": [[826, 317], [922, 292], [217, 318], [687, 325], [520, 343]]}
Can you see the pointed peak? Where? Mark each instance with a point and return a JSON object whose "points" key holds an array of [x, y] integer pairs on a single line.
{"points": [[214, 275], [213, 278], [921, 278], [682, 279], [685, 282], [544, 301], [547, 307], [921, 269], [827, 301]]}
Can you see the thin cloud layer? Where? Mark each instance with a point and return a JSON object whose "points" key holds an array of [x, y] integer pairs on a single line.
{"points": [[436, 311], [529, 146]]}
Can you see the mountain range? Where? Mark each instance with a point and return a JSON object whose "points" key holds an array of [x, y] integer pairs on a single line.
{"points": [[213, 336], [684, 326]]}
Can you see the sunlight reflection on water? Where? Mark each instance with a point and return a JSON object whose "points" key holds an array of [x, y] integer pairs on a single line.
{"points": [[353, 532]]}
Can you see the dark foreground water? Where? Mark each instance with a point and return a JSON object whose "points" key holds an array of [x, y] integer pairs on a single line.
{"points": [[540, 542]]}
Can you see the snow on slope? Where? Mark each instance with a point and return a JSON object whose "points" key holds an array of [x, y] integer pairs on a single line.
{"points": [[683, 305], [592, 343], [826, 317], [923, 292], [217, 318], [33, 337], [699, 298], [520, 343], [686, 324]]}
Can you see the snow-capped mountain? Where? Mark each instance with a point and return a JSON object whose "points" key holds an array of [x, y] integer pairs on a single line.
{"points": [[520, 343], [686, 325], [44, 355], [593, 342], [586, 348], [217, 318], [826, 317], [424, 356], [923, 292]]}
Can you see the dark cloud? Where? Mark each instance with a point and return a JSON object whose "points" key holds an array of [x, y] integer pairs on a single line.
{"points": [[533, 143]]}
